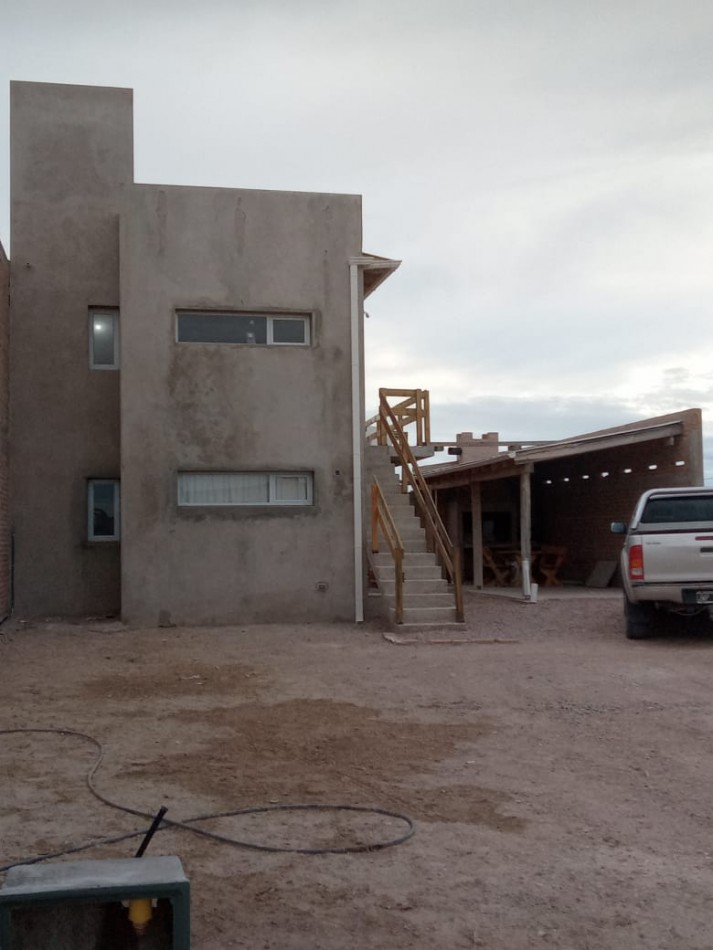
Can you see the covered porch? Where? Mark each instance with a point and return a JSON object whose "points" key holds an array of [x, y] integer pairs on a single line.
{"points": [[542, 514]]}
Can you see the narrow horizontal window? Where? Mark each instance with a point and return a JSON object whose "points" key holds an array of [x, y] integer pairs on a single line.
{"points": [[248, 329], [234, 489], [103, 509], [104, 339]]}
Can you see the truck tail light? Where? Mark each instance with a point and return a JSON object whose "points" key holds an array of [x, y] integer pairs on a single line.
{"points": [[636, 562]]}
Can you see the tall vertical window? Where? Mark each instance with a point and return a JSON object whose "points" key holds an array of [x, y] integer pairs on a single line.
{"points": [[103, 509], [104, 339]]}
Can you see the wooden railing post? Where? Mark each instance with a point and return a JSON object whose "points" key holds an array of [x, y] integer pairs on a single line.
{"points": [[458, 588], [374, 520], [399, 586]]}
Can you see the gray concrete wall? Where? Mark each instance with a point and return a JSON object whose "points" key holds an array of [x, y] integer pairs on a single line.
{"points": [[220, 407], [71, 158]]}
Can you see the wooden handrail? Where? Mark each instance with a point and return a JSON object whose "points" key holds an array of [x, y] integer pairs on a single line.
{"points": [[411, 475], [414, 407], [382, 518]]}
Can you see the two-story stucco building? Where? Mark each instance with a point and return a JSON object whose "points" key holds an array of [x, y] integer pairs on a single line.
{"points": [[185, 383]]}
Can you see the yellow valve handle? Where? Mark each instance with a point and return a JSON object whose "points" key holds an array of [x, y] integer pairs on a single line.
{"points": [[140, 913]]}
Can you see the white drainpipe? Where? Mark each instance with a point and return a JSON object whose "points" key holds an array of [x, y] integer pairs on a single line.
{"points": [[357, 441]]}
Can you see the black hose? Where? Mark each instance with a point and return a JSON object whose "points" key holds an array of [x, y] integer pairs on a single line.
{"points": [[155, 825], [187, 825]]}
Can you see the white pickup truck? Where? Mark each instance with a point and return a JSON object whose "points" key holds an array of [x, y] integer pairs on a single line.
{"points": [[667, 559]]}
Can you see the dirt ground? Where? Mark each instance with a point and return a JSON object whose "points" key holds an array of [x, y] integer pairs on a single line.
{"points": [[559, 785]]}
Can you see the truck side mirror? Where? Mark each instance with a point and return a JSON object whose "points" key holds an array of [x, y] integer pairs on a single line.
{"points": [[618, 527]]}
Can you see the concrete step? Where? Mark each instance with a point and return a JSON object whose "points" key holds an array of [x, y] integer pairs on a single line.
{"points": [[395, 498], [411, 545], [405, 515], [427, 615], [411, 560], [415, 575], [428, 600], [414, 563], [411, 540], [392, 493], [399, 505], [406, 524], [423, 585], [414, 545], [398, 501], [410, 529]]}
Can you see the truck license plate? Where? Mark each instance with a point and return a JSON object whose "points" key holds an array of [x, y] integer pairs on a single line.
{"points": [[704, 596]]}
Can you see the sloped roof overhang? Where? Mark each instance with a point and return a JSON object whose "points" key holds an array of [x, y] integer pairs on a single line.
{"points": [[375, 270], [596, 443]]}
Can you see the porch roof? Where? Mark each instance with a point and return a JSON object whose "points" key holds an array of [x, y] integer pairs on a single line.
{"points": [[513, 462]]}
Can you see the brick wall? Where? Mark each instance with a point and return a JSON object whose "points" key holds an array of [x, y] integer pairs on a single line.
{"points": [[575, 498], [576, 511], [4, 420]]}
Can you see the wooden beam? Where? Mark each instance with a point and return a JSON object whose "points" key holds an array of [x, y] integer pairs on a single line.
{"points": [[601, 443], [525, 520], [476, 508]]}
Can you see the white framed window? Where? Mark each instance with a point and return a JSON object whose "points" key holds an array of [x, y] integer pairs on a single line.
{"points": [[235, 489], [248, 329], [103, 338], [103, 509]]}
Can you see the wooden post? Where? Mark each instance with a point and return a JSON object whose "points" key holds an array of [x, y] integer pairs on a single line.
{"points": [[476, 508], [453, 516], [526, 526], [458, 584], [399, 586], [374, 520]]}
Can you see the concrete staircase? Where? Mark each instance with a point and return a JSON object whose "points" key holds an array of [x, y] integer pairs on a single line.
{"points": [[428, 599]]}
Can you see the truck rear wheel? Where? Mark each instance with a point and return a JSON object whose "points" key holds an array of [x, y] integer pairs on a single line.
{"points": [[638, 619]]}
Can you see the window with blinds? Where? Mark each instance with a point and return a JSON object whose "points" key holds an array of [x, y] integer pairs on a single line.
{"points": [[233, 489]]}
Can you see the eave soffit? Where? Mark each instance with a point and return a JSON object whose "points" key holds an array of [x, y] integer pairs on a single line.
{"points": [[375, 270]]}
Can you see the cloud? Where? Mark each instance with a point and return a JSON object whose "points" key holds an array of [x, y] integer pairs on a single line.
{"points": [[543, 169], [519, 419]]}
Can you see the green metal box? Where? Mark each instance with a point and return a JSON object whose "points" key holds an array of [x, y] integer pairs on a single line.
{"points": [[78, 905]]}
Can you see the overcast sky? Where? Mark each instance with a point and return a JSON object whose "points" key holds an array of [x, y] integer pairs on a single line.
{"points": [[544, 168]]}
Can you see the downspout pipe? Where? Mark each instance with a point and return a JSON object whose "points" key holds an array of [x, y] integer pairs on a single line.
{"points": [[357, 439]]}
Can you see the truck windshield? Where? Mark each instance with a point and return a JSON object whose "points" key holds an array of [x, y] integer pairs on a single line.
{"points": [[689, 508]]}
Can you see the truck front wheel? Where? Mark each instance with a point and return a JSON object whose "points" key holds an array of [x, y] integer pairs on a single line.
{"points": [[638, 619]]}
